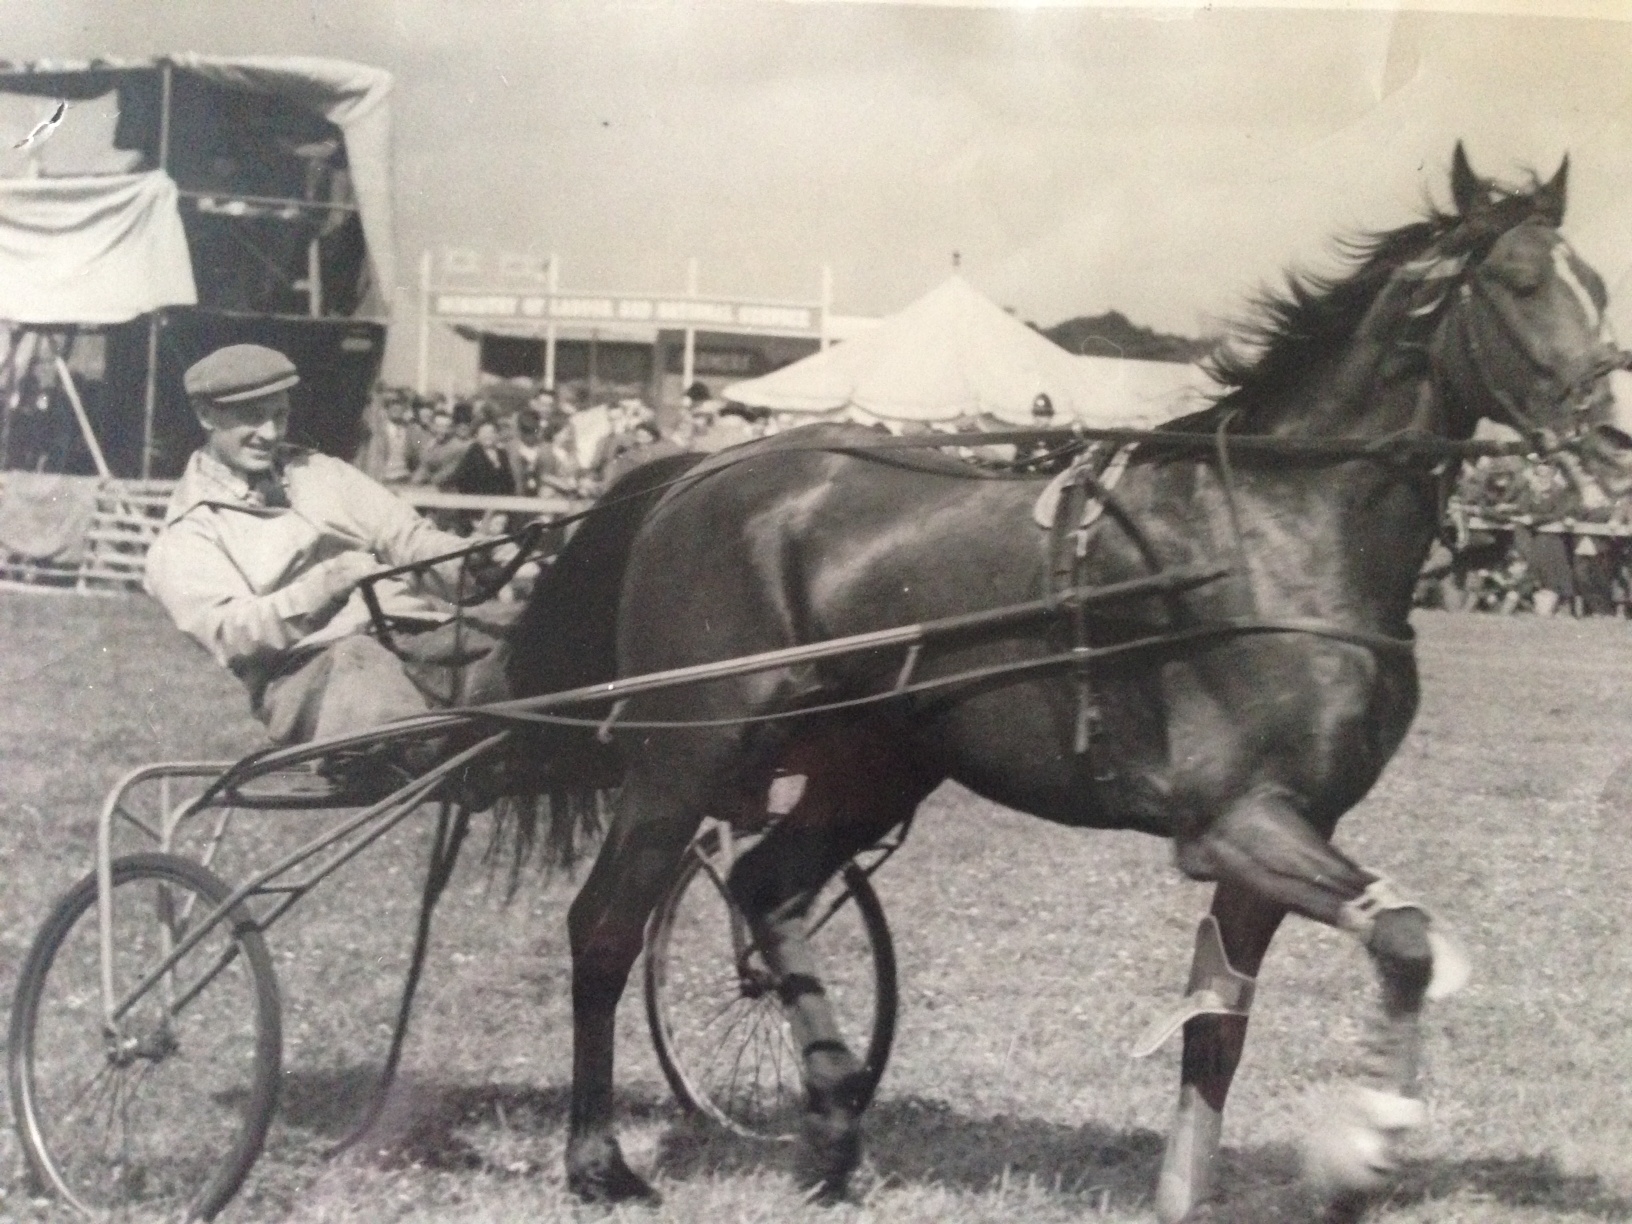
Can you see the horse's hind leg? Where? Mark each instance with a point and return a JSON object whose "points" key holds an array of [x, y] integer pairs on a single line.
{"points": [[1230, 948], [1264, 845], [642, 853], [853, 795]]}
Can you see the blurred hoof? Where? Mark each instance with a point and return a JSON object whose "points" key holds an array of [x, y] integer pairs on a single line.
{"points": [[608, 1179], [831, 1147], [829, 1153], [1353, 1140], [1452, 964]]}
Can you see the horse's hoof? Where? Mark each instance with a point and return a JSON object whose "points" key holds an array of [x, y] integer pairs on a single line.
{"points": [[831, 1151], [1351, 1148], [827, 1157], [611, 1180]]}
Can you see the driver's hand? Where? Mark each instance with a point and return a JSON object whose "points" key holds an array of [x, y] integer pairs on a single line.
{"points": [[342, 574], [503, 554], [481, 571]]}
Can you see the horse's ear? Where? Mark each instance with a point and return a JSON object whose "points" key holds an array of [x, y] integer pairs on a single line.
{"points": [[1549, 199], [1467, 189]]}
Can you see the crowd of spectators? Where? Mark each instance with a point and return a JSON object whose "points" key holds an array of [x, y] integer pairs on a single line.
{"points": [[1531, 536], [1521, 536], [518, 439]]}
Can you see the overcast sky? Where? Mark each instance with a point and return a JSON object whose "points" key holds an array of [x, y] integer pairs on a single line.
{"points": [[1164, 164]]}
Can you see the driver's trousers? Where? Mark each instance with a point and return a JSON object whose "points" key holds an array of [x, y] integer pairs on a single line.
{"points": [[355, 682]]}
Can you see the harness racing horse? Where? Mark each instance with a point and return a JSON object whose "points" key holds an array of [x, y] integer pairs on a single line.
{"points": [[1240, 719]]}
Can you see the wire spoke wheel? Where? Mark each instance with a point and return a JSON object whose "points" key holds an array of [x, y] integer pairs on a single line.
{"points": [[712, 1007], [164, 1114]]}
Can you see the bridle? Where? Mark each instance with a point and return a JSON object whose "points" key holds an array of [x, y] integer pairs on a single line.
{"points": [[1563, 423]]}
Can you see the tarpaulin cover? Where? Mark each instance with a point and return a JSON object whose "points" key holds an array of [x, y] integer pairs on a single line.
{"points": [[353, 97], [44, 516], [954, 353], [350, 96], [91, 250]]}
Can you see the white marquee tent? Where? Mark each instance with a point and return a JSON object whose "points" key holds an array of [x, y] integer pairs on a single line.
{"points": [[954, 353]]}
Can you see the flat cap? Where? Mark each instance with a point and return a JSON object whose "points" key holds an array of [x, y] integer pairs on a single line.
{"points": [[240, 372]]}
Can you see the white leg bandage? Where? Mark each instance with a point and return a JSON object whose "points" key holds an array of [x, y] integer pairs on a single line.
{"points": [[1452, 966]]}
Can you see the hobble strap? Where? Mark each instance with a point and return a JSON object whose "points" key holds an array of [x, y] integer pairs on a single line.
{"points": [[1452, 965], [1216, 988]]}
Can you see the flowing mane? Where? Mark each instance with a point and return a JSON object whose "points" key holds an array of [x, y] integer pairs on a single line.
{"points": [[1314, 315], [1287, 331]]}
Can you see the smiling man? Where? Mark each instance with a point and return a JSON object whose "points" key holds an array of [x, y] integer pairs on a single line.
{"points": [[262, 552]]}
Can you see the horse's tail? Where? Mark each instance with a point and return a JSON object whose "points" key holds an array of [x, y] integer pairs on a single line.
{"points": [[567, 638], [556, 827]]}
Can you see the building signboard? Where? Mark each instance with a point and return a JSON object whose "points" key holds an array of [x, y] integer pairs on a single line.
{"points": [[709, 313]]}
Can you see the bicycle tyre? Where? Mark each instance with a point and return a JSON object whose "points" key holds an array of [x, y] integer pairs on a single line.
{"points": [[694, 1012], [208, 1075]]}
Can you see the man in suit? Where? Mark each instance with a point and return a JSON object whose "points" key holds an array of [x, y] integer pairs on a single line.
{"points": [[484, 467]]}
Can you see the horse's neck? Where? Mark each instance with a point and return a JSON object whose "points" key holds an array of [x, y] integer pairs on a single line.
{"points": [[1385, 517]]}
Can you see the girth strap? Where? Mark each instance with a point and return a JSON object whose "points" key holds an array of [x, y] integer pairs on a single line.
{"points": [[1078, 496]]}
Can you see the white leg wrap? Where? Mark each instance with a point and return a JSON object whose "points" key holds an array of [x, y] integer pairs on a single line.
{"points": [[1359, 917], [1354, 1135], [1452, 965]]}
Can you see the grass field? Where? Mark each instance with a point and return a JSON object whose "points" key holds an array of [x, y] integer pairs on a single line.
{"points": [[1030, 958]]}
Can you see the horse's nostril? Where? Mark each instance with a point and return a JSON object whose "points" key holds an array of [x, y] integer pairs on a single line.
{"points": [[1615, 436]]}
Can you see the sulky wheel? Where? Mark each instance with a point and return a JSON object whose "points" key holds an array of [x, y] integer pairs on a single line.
{"points": [[713, 1012], [167, 1111]]}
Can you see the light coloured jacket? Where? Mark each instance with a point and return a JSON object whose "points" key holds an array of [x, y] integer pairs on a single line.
{"points": [[257, 586]]}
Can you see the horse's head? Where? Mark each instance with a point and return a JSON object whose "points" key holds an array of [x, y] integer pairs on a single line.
{"points": [[1521, 334]]}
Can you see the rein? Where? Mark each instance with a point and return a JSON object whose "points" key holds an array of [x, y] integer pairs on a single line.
{"points": [[1014, 671], [1402, 447], [1407, 447]]}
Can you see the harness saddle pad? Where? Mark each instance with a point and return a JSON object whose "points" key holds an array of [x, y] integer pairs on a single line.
{"points": [[1102, 467]]}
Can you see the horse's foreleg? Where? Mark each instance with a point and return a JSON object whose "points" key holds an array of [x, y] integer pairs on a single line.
{"points": [[1262, 844], [1230, 947], [605, 924], [849, 801], [774, 885]]}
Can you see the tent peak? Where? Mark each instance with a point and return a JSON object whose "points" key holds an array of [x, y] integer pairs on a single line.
{"points": [[955, 353]]}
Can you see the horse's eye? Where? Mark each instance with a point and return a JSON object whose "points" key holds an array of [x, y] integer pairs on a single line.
{"points": [[1519, 278]]}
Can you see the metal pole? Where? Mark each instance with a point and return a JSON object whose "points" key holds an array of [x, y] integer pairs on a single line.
{"points": [[165, 73], [827, 302], [422, 374], [11, 393], [688, 360], [551, 283], [314, 278], [80, 415], [150, 395]]}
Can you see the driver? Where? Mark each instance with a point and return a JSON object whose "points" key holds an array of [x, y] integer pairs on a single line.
{"points": [[263, 547]]}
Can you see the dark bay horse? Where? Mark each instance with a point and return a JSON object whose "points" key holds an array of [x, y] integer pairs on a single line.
{"points": [[1270, 709]]}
